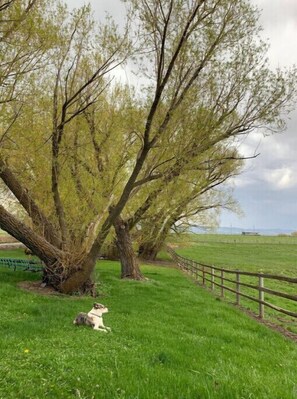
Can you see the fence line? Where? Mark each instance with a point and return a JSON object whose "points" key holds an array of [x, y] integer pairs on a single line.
{"points": [[216, 277]]}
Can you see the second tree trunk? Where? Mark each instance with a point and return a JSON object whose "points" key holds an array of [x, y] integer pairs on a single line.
{"points": [[129, 263]]}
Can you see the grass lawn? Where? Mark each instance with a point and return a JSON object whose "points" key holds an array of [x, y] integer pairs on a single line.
{"points": [[170, 339]]}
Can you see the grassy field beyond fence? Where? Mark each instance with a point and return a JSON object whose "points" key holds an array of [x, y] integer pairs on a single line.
{"points": [[170, 339], [275, 255]]}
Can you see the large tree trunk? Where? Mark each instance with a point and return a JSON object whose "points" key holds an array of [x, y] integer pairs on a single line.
{"points": [[148, 251], [41, 223], [79, 279], [129, 263], [36, 243], [62, 271]]}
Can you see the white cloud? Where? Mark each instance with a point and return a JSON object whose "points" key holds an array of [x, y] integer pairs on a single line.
{"points": [[116, 8], [282, 178], [279, 20]]}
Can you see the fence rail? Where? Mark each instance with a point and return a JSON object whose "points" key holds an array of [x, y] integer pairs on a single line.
{"points": [[216, 277], [22, 264]]}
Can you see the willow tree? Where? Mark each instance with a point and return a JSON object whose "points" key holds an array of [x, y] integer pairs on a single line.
{"points": [[205, 67], [42, 147], [24, 45], [194, 197], [184, 184]]}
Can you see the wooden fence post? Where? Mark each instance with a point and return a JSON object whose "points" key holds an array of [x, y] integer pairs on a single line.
{"points": [[212, 278], [183, 265], [180, 263], [237, 288], [261, 297], [196, 270], [222, 283], [203, 275]]}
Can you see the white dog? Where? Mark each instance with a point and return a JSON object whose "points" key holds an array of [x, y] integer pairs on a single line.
{"points": [[94, 318]]}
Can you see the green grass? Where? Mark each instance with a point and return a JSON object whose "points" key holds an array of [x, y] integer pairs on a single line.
{"points": [[229, 238], [13, 253], [275, 255], [170, 339]]}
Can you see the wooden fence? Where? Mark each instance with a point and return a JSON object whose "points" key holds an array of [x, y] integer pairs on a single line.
{"points": [[211, 276]]}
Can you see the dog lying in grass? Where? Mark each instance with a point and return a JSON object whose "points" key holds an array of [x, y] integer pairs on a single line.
{"points": [[94, 318]]}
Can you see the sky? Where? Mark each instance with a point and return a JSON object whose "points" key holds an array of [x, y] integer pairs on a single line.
{"points": [[267, 188]]}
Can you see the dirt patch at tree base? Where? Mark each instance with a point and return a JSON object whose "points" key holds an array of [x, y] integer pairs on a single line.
{"points": [[38, 288]]}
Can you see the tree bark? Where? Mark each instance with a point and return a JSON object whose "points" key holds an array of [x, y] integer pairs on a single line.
{"points": [[79, 280], [56, 196], [148, 251], [38, 245], [39, 219], [60, 270], [129, 263]]}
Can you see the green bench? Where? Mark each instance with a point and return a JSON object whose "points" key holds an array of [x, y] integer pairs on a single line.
{"points": [[31, 265]]}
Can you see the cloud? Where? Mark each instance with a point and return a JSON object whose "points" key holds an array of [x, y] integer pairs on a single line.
{"points": [[267, 187], [264, 208], [277, 13], [279, 20], [115, 8], [282, 178]]}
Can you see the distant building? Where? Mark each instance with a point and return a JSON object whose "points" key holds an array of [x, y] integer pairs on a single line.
{"points": [[250, 233]]}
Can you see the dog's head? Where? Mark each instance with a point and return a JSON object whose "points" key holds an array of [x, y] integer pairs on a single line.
{"points": [[100, 308]]}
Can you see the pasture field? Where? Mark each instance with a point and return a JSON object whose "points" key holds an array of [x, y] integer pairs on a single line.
{"points": [[255, 253], [170, 340], [275, 255]]}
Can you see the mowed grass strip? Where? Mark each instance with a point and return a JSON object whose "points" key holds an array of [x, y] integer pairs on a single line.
{"points": [[274, 255], [170, 339]]}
